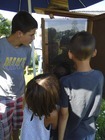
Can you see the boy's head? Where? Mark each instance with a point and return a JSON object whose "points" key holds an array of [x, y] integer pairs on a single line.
{"points": [[24, 28], [64, 43], [82, 45], [24, 22], [61, 70], [42, 94]]}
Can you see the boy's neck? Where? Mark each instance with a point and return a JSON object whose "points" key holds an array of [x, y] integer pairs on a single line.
{"points": [[83, 66], [12, 39]]}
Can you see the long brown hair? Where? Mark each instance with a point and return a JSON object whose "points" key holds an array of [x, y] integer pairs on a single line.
{"points": [[42, 94]]}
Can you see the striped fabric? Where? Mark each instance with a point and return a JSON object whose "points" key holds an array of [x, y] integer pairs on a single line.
{"points": [[11, 115]]}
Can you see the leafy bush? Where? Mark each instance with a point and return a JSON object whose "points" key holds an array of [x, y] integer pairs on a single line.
{"points": [[36, 60], [100, 133], [5, 26]]}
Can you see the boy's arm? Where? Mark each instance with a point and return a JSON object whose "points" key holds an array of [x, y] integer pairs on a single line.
{"points": [[63, 117], [52, 119]]}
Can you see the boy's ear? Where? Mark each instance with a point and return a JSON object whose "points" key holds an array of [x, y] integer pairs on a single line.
{"points": [[70, 55], [19, 33], [94, 53]]}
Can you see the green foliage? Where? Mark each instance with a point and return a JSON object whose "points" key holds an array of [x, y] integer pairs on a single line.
{"points": [[4, 26], [100, 135], [36, 60]]}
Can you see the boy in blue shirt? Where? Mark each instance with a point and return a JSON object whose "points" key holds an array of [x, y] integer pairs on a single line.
{"points": [[15, 54], [81, 92]]}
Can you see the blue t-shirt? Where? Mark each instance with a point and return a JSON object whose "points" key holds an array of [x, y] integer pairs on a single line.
{"points": [[12, 63], [81, 92]]}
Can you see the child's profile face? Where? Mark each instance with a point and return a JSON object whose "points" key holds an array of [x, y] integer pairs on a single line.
{"points": [[28, 37]]}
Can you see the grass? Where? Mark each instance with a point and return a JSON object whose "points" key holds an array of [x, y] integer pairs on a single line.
{"points": [[30, 75]]}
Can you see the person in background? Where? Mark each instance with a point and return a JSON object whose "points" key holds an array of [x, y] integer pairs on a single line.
{"points": [[15, 54], [62, 66], [62, 59], [64, 45], [59, 71], [81, 92], [40, 111]]}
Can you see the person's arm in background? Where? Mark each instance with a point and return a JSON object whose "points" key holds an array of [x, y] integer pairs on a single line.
{"points": [[63, 117]]}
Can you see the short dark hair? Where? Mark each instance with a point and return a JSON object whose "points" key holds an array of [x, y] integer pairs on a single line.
{"points": [[65, 41], [42, 94], [82, 45], [24, 22], [62, 69]]}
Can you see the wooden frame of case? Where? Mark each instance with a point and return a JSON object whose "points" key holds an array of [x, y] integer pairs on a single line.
{"points": [[95, 25]]}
